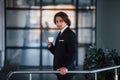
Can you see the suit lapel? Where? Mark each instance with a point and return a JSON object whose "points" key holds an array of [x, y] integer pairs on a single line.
{"points": [[60, 35]]}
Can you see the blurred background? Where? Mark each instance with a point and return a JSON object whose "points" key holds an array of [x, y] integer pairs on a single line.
{"points": [[25, 25]]}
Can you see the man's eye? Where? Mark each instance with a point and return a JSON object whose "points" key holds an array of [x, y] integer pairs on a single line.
{"points": [[61, 21]]}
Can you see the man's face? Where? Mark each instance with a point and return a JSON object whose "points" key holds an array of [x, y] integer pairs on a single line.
{"points": [[60, 23]]}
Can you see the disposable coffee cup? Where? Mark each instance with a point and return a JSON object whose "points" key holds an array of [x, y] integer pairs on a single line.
{"points": [[51, 39]]}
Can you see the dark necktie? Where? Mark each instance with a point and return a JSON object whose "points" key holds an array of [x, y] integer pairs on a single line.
{"points": [[59, 35]]}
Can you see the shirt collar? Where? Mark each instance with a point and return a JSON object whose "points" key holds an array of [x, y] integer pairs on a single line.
{"points": [[63, 29]]}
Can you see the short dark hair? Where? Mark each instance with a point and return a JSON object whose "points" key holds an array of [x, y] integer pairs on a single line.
{"points": [[64, 16]]}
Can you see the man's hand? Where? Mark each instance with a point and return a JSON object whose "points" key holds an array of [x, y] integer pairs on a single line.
{"points": [[63, 70]]}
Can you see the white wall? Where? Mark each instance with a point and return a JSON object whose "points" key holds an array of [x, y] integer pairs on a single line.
{"points": [[108, 24], [1, 31]]}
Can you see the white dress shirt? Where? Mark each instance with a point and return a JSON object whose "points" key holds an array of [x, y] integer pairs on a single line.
{"points": [[63, 29]]}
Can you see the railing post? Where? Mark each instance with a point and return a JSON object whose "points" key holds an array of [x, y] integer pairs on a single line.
{"points": [[116, 75], [95, 75], [30, 76]]}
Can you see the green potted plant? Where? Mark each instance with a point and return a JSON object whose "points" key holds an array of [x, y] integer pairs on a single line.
{"points": [[97, 58]]}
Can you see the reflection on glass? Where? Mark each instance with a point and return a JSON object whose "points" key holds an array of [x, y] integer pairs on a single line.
{"points": [[48, 2], [24, 57], [86, 3], [29, 38], [47, 58], [84, 36], [59, 7], [63, 1], [30, 3], [23, 18], [86, 19], [93, 19], [81, 56], [93, 37], [22, 3]]}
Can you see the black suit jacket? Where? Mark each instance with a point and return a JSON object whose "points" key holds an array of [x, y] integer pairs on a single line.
{"points": [[64, 50]]}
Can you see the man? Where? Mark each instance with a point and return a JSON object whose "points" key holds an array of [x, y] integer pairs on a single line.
{"points": [[65, 47]]}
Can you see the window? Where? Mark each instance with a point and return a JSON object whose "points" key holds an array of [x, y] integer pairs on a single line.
{"points": [[30, 22]]}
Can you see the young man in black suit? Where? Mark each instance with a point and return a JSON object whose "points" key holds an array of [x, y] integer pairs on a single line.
{"points": [[65, 47]]}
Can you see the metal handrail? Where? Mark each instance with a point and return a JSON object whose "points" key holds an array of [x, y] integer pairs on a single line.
{"points": [[77, 72]]}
